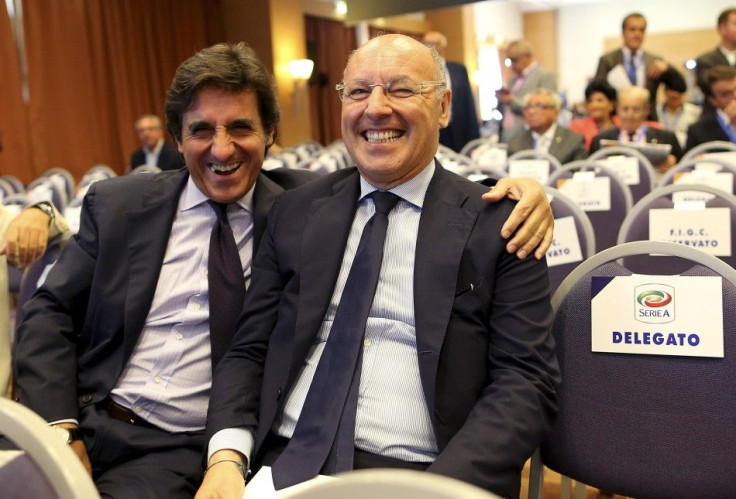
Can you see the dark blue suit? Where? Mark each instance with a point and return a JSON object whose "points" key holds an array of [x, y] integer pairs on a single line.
{"points": [[463, 125], [82, 325], [486, 357]]}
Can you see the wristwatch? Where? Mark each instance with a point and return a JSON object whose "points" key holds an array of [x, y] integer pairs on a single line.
{"points": [[68, 435], [46, 207]]}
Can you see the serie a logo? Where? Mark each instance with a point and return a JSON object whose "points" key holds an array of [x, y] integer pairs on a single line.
{"points": [[655, 303]]}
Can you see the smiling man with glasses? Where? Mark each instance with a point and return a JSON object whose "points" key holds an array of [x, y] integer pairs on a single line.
{"points": [[543, 134], [386, 325]]}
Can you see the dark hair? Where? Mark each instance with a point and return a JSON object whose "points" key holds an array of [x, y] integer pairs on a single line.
{"points": [[231, 67], [633, 15], [716, 74], [723, 16], [602, 87]]}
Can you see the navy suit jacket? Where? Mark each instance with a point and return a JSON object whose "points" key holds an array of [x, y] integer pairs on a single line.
{"points": [[653, 136], [81, 326], [463, 125], [168, 159], [706, 129], [486, 356]]}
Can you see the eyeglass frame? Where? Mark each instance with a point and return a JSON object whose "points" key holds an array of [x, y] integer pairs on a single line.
{"points": [[340, 87]]}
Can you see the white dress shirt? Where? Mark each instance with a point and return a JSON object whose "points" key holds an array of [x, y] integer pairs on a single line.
{"points": [[168, 377]]}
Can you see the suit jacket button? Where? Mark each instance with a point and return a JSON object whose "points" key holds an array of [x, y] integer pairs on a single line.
{"points": [[278, 395], [86, 398]]}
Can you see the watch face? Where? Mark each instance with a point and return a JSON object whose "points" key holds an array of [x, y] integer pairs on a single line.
{"points": [[64, 434]]}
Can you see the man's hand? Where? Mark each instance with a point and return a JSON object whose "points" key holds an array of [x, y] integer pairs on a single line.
{"points": [[532, 217], [657, 68], [25, 238], [81, 451], [223, 478], [78, 447]]}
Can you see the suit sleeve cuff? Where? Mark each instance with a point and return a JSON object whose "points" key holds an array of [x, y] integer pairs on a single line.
{"points": [[238, 439]]}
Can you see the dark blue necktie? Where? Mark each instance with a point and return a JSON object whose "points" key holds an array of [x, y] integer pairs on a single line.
{"points": [[226, 284], [324, 437], [631, 68]]}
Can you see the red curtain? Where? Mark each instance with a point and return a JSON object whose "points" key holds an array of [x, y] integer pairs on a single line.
{"points": [[95, 65], [15, 149]]}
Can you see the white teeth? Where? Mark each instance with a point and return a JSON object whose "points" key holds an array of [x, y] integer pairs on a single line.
{"points": [[224, 168], [376, 137]]}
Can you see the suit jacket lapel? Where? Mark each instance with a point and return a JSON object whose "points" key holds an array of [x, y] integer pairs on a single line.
{"points": [[444, 228], [325, 237], [555, 147], [145, 253], [264, 195]]}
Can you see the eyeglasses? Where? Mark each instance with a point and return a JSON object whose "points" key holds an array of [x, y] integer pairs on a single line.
{"points": [[403, 88], [539, 107]]}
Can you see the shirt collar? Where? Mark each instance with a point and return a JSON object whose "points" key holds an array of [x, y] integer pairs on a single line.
{"points": [[191, 197], [627, 53], [157, 148], [412, 191], [550, 133], [531, 67]]}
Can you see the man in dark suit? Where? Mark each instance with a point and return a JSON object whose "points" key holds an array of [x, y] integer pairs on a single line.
{"points": [[723, 55], [633, 108], [463, 126], [541, 109], [720, 86], [115, 350], [154, 151], [458, 373], [644, 68]]}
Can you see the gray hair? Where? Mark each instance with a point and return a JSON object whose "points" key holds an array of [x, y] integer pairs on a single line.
{"points": [[554, 97]]}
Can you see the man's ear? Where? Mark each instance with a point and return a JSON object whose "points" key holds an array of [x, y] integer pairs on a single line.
{"points": [[445, 108]]}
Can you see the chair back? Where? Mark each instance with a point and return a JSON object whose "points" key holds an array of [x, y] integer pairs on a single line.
{"points": [[48, 466], [706, 147], [639, 187], [648, 426], [710, 221], [387, 484], [714, 171], [553, 163], [574, 239], [600, 193]]}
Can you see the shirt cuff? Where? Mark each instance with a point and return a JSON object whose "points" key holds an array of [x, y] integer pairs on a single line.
{"points": [[237, 439], [62, 421]]}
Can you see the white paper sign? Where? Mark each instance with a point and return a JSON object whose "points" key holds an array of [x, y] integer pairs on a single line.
{"points": [[626, 167], [591, 194], [729, 156], [493, 157], [657, 315], [717, 180], [566, 243], [538, 169], [261, 486], [708, 230]]}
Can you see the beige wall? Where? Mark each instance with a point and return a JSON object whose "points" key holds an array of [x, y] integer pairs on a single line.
{"points": [[540, 29], [275, 30]]}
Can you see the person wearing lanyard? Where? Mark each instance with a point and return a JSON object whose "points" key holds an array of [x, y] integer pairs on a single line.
{"points": [[721, 90]]}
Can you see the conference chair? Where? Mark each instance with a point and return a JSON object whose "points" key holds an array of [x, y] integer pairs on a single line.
{"points": [[102, 170], [49, 189], [707, 147], [6, 189], [554, 163], [721, 174], [606, 217], [46, 466], [386, 484], [645, 426], [64, 175], [718, 213], [15, 183], [639, 187], [574, 239]]}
